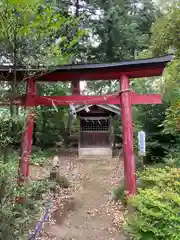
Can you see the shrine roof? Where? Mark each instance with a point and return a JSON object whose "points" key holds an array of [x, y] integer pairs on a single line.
{"points": [[109, 107], [96, 71]]}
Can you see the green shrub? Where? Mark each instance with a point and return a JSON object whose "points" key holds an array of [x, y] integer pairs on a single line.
{"points": [[164, 179], [17, 216], [37, 188], [10, 132], [118, 194], [173, 157], [156, 207], [41, 157], [38, 158]]}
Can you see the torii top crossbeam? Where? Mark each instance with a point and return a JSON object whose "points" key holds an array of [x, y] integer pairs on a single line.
{"points": [[132, 69], [103, 71]]}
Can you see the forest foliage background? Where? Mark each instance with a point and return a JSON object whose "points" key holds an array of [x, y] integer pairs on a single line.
{"points": [[53, 33], [60, 32], [57, 32]]}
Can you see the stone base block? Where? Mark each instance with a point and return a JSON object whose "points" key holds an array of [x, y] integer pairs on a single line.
{"points": [[95, 153]]}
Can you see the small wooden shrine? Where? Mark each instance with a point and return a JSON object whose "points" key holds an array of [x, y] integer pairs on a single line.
{"points": [[96, 130]]}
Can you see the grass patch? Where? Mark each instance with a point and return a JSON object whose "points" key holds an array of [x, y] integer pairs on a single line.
{"points": [[118, 194], [40, 157], [19, 206]]}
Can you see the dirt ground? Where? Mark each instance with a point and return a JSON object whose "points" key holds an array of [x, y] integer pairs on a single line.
{"points": [[93, 214]]}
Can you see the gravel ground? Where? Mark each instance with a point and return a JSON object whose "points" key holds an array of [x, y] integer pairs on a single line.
{"points": [[86, 209]]}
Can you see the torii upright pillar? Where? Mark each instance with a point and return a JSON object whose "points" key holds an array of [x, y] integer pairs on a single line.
{"points": [[26, 140], [127, 133]]}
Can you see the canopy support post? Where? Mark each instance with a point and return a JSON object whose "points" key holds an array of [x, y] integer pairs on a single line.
{"points": [[75, 87], [127, 132]]}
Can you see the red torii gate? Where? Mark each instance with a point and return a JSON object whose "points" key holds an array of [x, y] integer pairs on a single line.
{"points": [[74, 73]]}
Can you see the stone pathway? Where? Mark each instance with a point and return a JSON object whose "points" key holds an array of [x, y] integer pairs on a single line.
{"points": [[93, 216]]}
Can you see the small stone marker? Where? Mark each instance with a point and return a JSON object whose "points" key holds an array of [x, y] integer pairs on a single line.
{"points": [[54, 170], [142, 143]]}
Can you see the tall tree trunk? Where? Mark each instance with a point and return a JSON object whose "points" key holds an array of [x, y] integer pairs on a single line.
{"points": [[77, 9], [13, 110], [68, 128], [13, 83], [70, 117]]}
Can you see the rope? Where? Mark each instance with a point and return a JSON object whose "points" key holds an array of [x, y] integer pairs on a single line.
{"points": [[95, 99], [125, 90], [38, 227]]}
